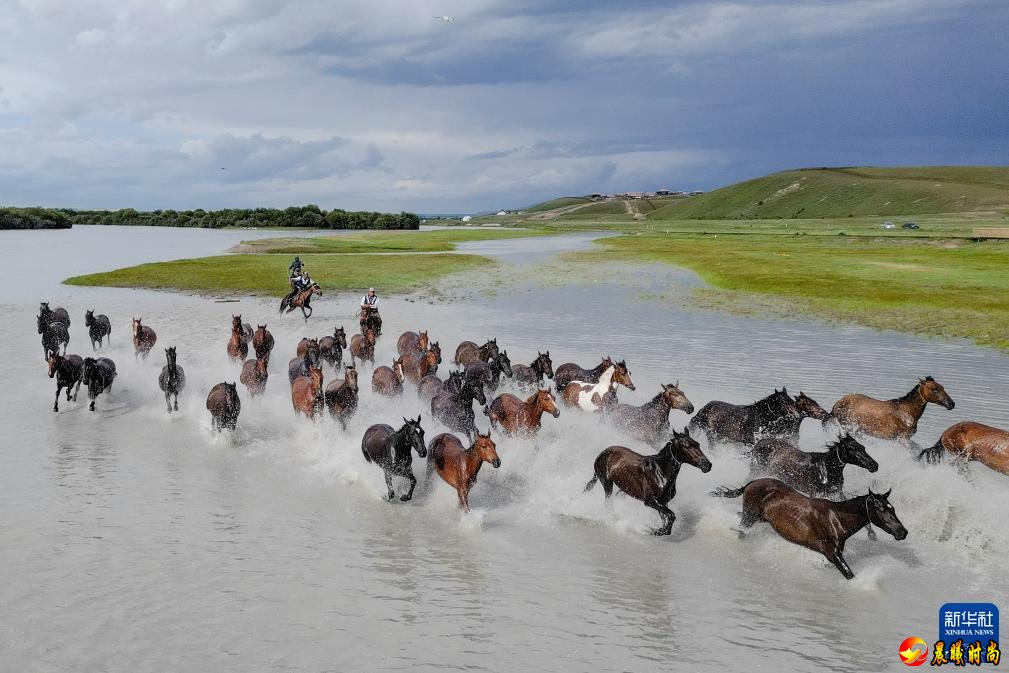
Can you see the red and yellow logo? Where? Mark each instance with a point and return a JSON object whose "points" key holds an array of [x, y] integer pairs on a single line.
{"points": [[913, 651]]}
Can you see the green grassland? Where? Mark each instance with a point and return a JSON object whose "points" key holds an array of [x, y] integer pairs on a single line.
{"points": [[562, 202], [437, 240]]}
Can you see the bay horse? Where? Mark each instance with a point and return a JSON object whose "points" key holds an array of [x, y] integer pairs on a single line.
{"points": [[895, 419], [310, 350], [53, 335], [302, 300], [467, 352], [391, 450], [649, 422], [224, 406], [455, 408], [331, 347], [417, 365], [99, 327], [98, 375], [745, 423], [370, 319], [341, 396], [388, 381], [262, 343], [412, 342], [518, 417], [490, 372], [58, 314], [172, 379], [569, 372], [814, 523], [589, 396], [967, 441], [306, 393], [531, 375], [431, 386], [238, 343], [255, 375], [68, 371], [144, 339], [650, 479], [459, 465], [362, 347], [816, 473]]}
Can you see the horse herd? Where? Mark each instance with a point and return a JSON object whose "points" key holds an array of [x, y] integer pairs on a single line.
{"points": [[790, 488]]}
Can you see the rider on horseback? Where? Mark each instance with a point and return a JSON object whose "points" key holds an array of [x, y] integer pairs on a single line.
{"points": [[299, 278], [295, 267], [369, 304]]}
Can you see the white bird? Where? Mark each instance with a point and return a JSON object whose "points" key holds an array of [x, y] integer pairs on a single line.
{"points": [[445, 19]]}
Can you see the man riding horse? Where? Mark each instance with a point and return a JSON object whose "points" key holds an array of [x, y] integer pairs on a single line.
{"points": [[299, 278], [369, 312]]}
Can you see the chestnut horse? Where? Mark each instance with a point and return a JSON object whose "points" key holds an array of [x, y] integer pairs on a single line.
{"points": [[890, 419], [341, 396], [431, 386], [388, 381], [518, 417], [589, 396], [816, 473], [362, 347], [306, 393], [390, 449], [966, 441], [238, 344], [331, 347], [467, 352], [531, 375], [172, 379], [458, 465], [417, 365], [68, 371], [98, 375], [144, 339], [569, 372], [412, 342], [99, 327], [224, 406], [255, 374], [648, 423], [814, 523], [302, 300], [650, 479], [262, 343]]}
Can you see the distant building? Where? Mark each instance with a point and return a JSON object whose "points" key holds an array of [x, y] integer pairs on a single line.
{"points": [[662, 192], [696, 193], [467, 218]]}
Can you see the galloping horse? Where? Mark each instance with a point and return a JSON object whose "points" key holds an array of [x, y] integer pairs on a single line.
{"points": [[144, 339], [238, 343], [455, 408], [589, 396], [370, 319], [490, 372], [569, 372], [68, 371], [172, 379], [890, 419], [98, 375], [531, 375], [412, 342], [49, 315], [331, 347], [388, 381], [255, 375], [417, 365], [650, 479], [99, 327], [773, 415], [518, 417], [306, 393], [817, 473], [362, 347], [224, 406], [821, 525], [459, 466], [341, 396], [302, 300], [467, 352], [967, 441], [309, 349], [390, 450], [53, 334], [431, 386], [649, 423], [262, 343]]}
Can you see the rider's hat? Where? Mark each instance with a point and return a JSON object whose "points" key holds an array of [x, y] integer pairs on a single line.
{"points": [[371, 289]]}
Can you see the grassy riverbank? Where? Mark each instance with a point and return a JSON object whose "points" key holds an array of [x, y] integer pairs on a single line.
{"points": [[437, 240]]}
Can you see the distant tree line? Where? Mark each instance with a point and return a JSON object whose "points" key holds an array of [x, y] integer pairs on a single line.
{"points": [[309, 217]]}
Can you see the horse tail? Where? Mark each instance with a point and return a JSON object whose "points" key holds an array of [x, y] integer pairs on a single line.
{"points": [[592, 482], [726, 492], [933, 453], [366, 456]]}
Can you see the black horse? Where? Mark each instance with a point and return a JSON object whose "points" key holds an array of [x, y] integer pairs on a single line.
{"points": [[491, 370], [54, 334], [68, 371], [99, 327], [98, 375], [455, 408], [172, 379], [531, 375], [431, 386], [54, 314], [390, 450], [815, 473], [777, 415]]}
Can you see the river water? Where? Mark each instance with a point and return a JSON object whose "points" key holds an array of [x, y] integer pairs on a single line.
{"points": [[132, 540]]}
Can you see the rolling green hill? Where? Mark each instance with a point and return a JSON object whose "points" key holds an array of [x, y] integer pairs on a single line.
{"points": [[843, 192], [562, 202]]}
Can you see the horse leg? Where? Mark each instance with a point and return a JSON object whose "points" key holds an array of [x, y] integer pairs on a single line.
{"points": [[413, 484], [77, 388], [837, 558], [746, 519], [92, 407], [463, 493], [56, 402], [388, 485], [176, 400], [168, 401], [667, 516]]}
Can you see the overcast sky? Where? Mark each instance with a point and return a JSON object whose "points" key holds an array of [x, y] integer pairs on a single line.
{"points": [[375, 104]]}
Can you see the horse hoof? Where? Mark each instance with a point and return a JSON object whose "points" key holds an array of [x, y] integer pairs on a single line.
{"points": [[406, 497], [662, 531]]}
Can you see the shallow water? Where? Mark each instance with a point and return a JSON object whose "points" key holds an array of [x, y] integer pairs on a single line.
{"points": [[133, 540]]}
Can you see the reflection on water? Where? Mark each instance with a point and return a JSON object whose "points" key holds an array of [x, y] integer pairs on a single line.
{"points": [[131, 538]]}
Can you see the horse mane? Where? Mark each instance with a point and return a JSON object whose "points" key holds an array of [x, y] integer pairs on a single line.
{"points": [[769, 402], [909, 395]]}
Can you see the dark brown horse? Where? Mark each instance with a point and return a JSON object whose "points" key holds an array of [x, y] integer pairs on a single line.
{"points": [[68, 371], [569, 372], [309, 349], [531, 375], [370, 319], [821, 525], [172, 378], [468, 352], [362, 347], [777, 415], [518, 417], [490, 372], [412, 342], [816, 473], [459, 465], [99, 327], [417, 365], [97, 374], [144, 338], [391, 450], [890, 419], [53, 334], [455, 408], [649, 423], [306, 393], [224, 406], [331, 347], [650, 479], [255, 375], [238, 343], [388, 381], [302, 300], [966, 441], [341, 396], [589, 396], [262, 343], [431, 386], [298, 366]]}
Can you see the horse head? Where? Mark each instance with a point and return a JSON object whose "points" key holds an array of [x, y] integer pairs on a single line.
{"points": [[137, 325], [622, 375], [414, 435], [471, 387], [236, 323], [340, 336], [422, 340], [54, 360], [809, 408], [504, 363], [882, 514], [545, 401], [485, 447], [932, 391], [544, 364], [436, 349], [170, 356], [675, 399], [684, 449], [397, 368], [850, 451], [89, 317], [350, 377]]}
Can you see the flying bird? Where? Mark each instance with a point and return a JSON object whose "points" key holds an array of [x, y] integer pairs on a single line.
{"points": [[445, 19]]}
